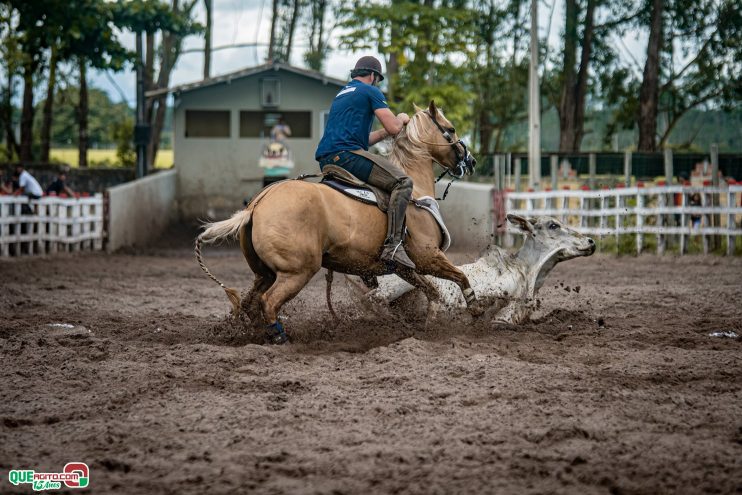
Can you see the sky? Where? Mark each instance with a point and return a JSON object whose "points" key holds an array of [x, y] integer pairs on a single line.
{"points": [[248, 21]]}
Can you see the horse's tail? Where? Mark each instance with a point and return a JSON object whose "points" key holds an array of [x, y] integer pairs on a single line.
{"points": [[216, 231]]}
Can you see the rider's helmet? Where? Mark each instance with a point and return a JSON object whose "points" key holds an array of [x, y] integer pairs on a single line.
{"points": [[367, 63]]}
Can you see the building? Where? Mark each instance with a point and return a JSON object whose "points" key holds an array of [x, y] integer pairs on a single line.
{"points": [[221, 124]]}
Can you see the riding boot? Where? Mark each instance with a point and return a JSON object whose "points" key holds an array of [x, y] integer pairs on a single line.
{"points": [[393, 248]]}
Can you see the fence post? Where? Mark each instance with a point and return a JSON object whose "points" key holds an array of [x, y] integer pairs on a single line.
{"points": [[592, 170], [627, 168], [517, 175], [661, 223], [715, 196], [683, 222], [730, 223], [554, 171], [508, 168], [639, 221]]}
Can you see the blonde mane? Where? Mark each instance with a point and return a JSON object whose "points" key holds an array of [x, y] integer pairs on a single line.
{"points": [[408, 145]]}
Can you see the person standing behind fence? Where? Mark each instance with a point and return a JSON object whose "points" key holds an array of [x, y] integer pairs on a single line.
{"points": [[27, 184], [60, 186]]}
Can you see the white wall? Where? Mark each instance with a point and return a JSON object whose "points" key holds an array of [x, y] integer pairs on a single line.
{"points": [[467, 212], [140, 210]]}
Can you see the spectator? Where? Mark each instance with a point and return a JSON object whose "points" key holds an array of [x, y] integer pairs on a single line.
{"points": [[280, 131], [60, 186], [27, 184]]}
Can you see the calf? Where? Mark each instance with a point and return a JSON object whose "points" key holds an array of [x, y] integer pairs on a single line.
{"points": [[506, 284]]}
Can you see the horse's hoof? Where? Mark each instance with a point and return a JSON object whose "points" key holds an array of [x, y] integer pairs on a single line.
{"points": [[276, 334]]}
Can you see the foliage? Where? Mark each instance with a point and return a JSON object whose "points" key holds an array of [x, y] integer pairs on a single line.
{"points": [[104, 116]]}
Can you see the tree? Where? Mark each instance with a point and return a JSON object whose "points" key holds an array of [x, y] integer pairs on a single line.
{"points": [[697, 43], [318, 35], [284, 20], [174, 23], [423, 44]]}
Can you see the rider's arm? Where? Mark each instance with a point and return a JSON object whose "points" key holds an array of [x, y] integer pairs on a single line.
{"points": [[392, 124]]}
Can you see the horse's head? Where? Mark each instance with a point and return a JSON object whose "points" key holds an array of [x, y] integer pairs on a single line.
{"points": [[437, 133]]}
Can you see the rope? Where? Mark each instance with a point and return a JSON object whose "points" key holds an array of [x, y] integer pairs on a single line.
{"points": [[200, 260]]}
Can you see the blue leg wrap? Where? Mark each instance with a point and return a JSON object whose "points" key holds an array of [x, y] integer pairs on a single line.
{"points": [[276, 334]]}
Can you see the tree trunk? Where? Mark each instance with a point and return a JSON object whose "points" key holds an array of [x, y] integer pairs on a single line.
{"points": [[27, 111], [207, 39], [582, 77], [292, 28], [46, 124], [10, 142], [566, 100], [82, 116], [272, 42], [649, 92]]}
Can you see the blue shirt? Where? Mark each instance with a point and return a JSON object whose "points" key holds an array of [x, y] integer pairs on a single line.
{"points": [[351, 117]]}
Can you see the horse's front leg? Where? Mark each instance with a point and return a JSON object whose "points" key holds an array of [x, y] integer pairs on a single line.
{"points": [[439, 266]]}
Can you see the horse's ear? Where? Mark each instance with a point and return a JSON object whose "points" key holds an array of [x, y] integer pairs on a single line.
{"points": [[417, 109], [432, 110], [521, 223]]}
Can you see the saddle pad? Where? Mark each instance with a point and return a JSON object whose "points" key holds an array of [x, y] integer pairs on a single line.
{"points": [[431, 205], [365, 195]]}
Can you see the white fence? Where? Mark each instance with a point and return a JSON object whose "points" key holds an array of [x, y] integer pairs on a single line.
{"points": [[665, 212], [50, 224]]}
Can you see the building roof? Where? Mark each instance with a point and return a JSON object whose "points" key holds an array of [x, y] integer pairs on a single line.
{"points": [[249, 71]]}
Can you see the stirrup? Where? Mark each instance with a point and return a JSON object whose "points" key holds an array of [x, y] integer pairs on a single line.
{"points": [[397, 254], [276, 334]]}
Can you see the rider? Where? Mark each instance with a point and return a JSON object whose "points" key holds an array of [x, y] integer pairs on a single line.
{"points": [[348, 129]]}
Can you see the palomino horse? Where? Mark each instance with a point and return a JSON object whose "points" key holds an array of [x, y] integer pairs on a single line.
{"points": [[293, 228]]}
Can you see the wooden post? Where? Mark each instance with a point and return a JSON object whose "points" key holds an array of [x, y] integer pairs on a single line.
{"points": [[627, 168], [716, 222], [517, 175], [730, 223], [668, 166], [639, 222], [508, 169], [554, 171], [683, 222], [661, 223]]}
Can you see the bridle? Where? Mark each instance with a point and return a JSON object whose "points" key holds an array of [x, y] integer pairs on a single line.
{"points": [[465, 162]]}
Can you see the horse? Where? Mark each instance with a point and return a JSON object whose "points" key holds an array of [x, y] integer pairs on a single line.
{"points": [[293, 228]]}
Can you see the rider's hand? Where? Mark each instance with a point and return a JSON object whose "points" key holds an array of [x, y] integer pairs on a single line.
{"points": [[403, 117]]}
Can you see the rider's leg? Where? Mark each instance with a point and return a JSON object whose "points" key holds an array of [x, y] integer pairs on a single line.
{"points": [[394, 180]]}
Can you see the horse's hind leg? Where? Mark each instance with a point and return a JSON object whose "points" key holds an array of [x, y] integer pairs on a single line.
{"points": [[286, 286], [251, 303]]}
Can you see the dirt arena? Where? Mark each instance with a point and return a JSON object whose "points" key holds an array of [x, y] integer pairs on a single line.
{"points": [[158, 393]]}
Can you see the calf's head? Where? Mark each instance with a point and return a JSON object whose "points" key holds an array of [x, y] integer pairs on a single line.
{"points": [[547, 236]]}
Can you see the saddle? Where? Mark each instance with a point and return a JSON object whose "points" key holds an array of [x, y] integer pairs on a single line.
{"points": [[341, 180], [346, 183]]}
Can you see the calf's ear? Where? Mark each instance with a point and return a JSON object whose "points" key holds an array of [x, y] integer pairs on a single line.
{"points": [[521, 223]]}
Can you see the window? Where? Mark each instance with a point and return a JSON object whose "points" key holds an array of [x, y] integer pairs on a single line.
{"points": [[323, 120], [270, 92], [207, 124], [257, 124]]}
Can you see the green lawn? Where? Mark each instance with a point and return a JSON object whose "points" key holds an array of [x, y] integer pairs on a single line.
{"points": [[105, 157]]}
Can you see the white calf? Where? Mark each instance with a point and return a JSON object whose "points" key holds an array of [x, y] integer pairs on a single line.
{"points": [[505, 283]]}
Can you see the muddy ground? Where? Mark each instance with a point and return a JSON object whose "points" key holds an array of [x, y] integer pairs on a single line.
{"points": [[158, 393]]}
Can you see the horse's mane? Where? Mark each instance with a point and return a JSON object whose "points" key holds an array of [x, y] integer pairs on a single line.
{"points": [[408, 145]]}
